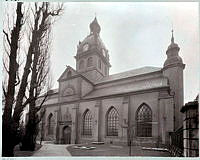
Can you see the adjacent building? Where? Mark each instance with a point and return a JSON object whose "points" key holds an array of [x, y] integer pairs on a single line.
{"points": [[191, 128]]}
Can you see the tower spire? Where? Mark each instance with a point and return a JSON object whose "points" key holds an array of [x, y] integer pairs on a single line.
{"points": [[95, 27], [172, 39]]}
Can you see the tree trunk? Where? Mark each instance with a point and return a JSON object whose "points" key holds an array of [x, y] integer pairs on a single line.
{"points": [[9, 130], [29, 141]]}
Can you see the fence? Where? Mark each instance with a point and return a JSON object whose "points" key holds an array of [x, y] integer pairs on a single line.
{"points": [[176, 143]]}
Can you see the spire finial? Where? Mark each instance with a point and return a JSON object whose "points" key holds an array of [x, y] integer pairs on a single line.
{"points": [[172, 39]]}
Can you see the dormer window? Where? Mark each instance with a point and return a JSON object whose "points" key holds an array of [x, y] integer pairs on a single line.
{"points": [[89, 62], [85, 47]]}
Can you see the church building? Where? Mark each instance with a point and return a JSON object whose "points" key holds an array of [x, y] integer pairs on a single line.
{"points": [[90, 105]]}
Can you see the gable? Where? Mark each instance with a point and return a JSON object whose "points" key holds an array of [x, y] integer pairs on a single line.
{"points": [[68, 73]]}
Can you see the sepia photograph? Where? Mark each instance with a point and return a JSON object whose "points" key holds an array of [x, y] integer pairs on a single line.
{"points": [[117, 79]]}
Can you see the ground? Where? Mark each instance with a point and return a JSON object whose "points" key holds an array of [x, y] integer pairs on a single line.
{"points": [[114, 150], [18, 153], [50, 149]]}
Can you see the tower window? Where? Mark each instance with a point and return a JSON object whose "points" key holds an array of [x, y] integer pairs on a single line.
{"points": [[144, 121], [85, 47], [89, 61], [81, 64], [99, 64], [112, 122], [87, 123]]}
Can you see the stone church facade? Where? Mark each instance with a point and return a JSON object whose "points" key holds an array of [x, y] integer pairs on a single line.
{"points": [[91, 105]]}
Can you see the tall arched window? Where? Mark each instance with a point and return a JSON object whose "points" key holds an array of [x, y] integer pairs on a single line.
{"points": [[87, 123], [89, 62], [144, 121], [81, 64], [112, 122], [50, 124]]}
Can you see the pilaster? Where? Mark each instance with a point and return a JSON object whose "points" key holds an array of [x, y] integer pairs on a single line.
{"points": [[74, 131], [97, 121]]}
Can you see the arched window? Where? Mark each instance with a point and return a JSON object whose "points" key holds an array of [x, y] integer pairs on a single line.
{"points": [[50, 124], [81, 64], [87, 123], [99, 64], [144, 121], [112, 122], [69, 74], [85, 47], [89, 62]]}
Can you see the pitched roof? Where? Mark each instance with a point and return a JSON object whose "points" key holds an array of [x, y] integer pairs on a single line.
{"points": [[127, 74], [64, 74], [146, 84]]}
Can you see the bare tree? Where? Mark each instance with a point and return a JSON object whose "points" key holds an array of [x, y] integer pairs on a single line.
{"points": [[40, 71], [35, 73], [8, 129], [39, 83]]}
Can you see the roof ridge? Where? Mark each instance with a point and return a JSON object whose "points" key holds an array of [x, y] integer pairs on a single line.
{"points": [[133, 72], [136, 69]]}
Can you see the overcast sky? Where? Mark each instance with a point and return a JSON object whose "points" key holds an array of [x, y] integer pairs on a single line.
{"points": [[136, 35]]}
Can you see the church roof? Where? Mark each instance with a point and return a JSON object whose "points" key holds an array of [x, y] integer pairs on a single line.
{"points": [[137, 86], [127, 74]]}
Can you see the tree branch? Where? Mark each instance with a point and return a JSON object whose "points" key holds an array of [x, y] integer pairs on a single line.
{"points": [[7, 37], [4, 91], [41, 104]]}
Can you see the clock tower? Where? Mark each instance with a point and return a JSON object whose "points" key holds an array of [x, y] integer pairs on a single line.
{"points": [[92, 58]]}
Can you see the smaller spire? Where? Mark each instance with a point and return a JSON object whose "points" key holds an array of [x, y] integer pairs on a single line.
{"points": [[172, 39], [95, 27], [173, 44]]}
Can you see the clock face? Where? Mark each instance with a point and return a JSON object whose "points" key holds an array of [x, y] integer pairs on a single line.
{"points": [[104, 53], [85, 47]]}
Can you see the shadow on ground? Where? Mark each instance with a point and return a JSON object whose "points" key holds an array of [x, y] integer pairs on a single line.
{"points": [[18, 153]]}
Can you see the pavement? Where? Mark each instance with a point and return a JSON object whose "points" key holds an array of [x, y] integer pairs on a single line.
{"points": [[50, 149]]}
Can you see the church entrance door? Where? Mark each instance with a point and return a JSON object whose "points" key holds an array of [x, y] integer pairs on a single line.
{"points": [[67, 134]]}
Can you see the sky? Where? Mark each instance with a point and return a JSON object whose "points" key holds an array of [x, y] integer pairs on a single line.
{"points": [[136, 35]]}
